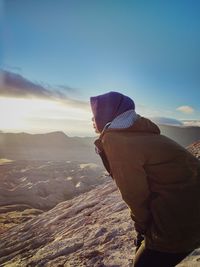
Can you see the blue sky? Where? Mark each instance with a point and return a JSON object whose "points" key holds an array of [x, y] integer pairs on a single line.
{"points": [[149, 50]]}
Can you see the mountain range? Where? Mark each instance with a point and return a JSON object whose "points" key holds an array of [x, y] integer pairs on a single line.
{"points": [[55, 146], [58, 146], [184, 135]]}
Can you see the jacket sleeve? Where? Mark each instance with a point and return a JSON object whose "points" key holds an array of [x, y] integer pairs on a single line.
{"points": [[127, 167], [101, 153], [133, 185]]}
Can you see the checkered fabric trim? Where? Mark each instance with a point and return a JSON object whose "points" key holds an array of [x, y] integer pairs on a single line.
{"points": [[124, 120]]}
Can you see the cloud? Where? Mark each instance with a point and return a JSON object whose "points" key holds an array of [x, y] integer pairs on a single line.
{"points": [[185, 109], [16, 86], [12, 68], [68, 89]]}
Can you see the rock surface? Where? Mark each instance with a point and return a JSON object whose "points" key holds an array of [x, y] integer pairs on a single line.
{"points": [[43, 184], [15, 214], [92, 230]]}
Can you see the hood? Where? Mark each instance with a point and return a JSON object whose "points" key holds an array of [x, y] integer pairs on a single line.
{"points": [[108, 106]]}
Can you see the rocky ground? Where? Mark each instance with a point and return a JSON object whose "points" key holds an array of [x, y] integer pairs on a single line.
{"points": [[44, 184], [27, 188], [93, 229], [12, 215]]}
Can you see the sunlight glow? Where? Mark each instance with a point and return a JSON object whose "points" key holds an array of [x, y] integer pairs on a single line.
{"points": [[13, 113], [36, 115]]}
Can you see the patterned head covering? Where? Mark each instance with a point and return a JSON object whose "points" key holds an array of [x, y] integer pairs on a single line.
{"points": [[108, 106]]}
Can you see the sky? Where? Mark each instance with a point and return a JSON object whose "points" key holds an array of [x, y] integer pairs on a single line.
{"points": [[56, 54]]}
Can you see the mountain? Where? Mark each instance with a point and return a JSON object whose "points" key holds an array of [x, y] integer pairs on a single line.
{"points": [[184, 135], [50, 146], [58, 146]]}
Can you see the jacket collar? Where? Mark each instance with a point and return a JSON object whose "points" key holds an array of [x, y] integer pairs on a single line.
{"points": [[142, 125]]}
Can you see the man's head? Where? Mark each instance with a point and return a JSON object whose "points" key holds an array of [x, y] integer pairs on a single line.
{"points": [[108, 106]]}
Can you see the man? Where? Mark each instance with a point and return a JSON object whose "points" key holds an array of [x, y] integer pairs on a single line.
{"points": [[158, 179]]}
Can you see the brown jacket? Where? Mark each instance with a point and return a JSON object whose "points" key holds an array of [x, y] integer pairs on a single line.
{"points": [[160, 182]]}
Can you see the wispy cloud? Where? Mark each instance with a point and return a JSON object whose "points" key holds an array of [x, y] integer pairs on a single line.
{"points": [[68, 89], [15, 85], [186, 109], [12, 68]]}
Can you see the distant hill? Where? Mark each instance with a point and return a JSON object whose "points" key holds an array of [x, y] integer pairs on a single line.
{"points": [[58, 146], [184, 135], [50, 146]]}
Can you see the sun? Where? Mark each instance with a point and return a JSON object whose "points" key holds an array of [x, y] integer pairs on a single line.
{"points": [[16, 112], [12, 113], [34, 115]]}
